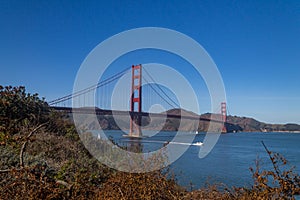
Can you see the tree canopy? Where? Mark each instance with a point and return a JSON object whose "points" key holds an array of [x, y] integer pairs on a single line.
{"points": [[18, 107]]}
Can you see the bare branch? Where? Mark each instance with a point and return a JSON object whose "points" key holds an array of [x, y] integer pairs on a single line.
{"points": [[5, 171], [272, 160], [69, 186], [121, 193], [22, 153], [35, 129], [21, 157], [9, 170]]}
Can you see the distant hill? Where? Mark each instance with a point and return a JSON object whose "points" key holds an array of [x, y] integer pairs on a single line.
{"points": [[234, 123], [240, 124], [252, 125], [183, 112]]}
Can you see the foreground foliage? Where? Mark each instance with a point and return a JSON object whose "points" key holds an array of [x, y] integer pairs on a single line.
{"points": [[42, 157]]}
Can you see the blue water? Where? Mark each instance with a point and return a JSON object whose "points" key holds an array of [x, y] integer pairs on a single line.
{"points": [[230, 159], [232, 156]]}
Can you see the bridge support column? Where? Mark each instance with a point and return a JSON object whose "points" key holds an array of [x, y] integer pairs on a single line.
{"points": [[224, 116], [136, 101]]}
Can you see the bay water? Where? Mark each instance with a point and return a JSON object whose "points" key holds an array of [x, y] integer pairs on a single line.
{"points": [[229, 161]]}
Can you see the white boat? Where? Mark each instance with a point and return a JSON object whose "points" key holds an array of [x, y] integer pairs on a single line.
{"points": [[197, 144]]}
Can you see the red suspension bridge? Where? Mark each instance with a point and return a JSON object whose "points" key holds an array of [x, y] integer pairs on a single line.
{"points": [[141, 97]]}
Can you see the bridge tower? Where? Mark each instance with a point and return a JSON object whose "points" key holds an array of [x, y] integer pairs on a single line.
{"points": [[136, 101], [224, 116]]}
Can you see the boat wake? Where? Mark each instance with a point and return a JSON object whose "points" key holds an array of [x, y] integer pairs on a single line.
{"points": [[193, 144], [167, 142]]}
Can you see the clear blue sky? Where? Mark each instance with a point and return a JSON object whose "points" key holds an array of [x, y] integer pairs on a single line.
{"points": [[255, 44]]}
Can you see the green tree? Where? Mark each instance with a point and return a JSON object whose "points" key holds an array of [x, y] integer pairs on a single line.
{"points": [[18, 108]]}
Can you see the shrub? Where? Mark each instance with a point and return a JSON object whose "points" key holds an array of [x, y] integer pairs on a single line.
{"points": [[153, 185], [18, 108]]}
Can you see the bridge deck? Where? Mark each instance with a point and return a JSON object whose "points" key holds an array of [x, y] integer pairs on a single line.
{"points": [[98, 111]]}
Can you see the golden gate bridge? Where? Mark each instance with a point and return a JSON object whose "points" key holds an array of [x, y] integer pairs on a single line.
{"points": [[140, 98]]}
